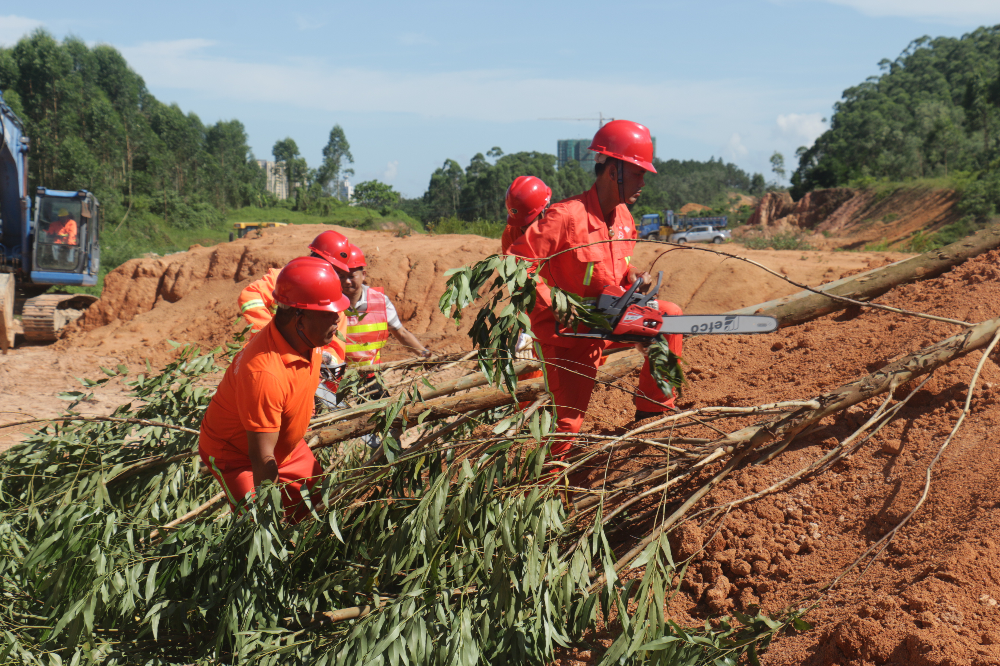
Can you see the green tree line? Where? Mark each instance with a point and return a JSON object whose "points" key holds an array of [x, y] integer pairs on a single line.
{"points": [[94, 125], [679, 182], [933, 112], [477, 192]]}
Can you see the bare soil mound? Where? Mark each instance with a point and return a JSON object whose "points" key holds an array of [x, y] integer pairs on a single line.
{"points": [[191, 296], [693, 208], [932, 598], [850, 219]]}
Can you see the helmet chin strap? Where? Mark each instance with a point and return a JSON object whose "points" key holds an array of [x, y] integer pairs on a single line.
{"points": [[621, 182], [303, 337]]}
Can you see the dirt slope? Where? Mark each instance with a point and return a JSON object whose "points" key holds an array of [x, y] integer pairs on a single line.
{"points": [[191, 296], [850, 219], [931, 598]]}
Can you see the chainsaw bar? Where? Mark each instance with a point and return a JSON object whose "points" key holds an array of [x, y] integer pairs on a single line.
{"points": [[717, 324]]}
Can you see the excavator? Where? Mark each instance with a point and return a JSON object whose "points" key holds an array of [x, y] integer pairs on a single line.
{"points": [[57, 247]]}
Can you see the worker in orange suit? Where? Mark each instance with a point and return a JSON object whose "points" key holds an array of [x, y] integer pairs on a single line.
{"points": [[585, 224], [253, 428], [257, 305], [526, 201], [63, 230]]}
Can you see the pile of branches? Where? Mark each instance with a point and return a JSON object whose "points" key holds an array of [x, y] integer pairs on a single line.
{"points": [[461, 547], [461, 550]]}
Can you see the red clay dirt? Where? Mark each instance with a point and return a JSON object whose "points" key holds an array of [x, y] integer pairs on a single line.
{"points": [[930, 599], [191, 296]]}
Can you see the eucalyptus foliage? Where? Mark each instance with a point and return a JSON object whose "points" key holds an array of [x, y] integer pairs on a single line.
{"points": [[511, 282], [458, 552]]}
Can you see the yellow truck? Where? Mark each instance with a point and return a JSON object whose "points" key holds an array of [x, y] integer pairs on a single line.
{"points": [[243, 228]]}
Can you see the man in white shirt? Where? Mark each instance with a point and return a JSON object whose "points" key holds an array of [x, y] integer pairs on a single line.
{"points": [[376, 318]]}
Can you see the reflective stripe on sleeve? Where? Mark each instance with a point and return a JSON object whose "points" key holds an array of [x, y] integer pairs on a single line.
{"points": [[628, 260], [589, 275], [250, 305]]}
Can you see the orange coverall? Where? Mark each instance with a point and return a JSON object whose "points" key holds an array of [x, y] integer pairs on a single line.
{"points": [[268, 387], [64, 231], [257, 308], [571, 363]]}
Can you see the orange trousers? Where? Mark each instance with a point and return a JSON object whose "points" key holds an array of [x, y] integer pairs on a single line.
{"points": [[300, 468], [571, 372]]}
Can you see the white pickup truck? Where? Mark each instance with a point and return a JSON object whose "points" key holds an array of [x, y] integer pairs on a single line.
{"points": [[700, 234]]}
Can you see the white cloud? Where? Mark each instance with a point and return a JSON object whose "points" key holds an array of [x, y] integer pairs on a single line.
{"points": [[392, 168], [801, 127], [960, 12], [735, 148], [13, 28], [307, 22], [495, 95]]}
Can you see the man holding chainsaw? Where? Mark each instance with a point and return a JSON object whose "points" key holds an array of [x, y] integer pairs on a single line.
{"points": [[592, 236]]}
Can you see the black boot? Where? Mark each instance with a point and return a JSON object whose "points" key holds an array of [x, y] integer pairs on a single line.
{"points": [[641, 415]]}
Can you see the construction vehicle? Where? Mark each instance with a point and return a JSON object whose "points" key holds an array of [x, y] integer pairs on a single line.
{"points": [[243, 228], [660, 226], [58, 246]]}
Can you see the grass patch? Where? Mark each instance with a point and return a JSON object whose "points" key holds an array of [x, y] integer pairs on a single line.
{"points": [[880, 246], [453, 225], [782, 241]]}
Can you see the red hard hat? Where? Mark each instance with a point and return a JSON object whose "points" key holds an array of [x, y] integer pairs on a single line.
{"points": [[355, 258], [526, 197], [310, 283], [333, 247], [625, 140]]}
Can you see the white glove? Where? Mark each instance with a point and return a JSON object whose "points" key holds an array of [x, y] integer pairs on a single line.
{"points": [[523, 349]]}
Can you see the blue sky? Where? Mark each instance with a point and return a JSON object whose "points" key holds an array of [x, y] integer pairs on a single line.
{"points": [[414, 84]]}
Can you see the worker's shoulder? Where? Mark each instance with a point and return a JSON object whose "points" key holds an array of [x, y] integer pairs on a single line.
{"points": [[572, 206]]}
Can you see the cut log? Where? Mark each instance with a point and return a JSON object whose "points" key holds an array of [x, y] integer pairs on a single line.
{"points": [[888, 378], [806, 305], [470, 381], [442, 408]]}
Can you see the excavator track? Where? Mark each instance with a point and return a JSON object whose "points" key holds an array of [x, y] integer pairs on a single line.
{"points": [[44, 316]]}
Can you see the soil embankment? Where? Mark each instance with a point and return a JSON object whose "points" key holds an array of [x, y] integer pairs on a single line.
{"points": [[191, 296], [843, 218], [932, 597]]}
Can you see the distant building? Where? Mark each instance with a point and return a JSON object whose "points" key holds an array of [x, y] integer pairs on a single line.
{"points": [[277, 183], [577, 149], [343, 190]]}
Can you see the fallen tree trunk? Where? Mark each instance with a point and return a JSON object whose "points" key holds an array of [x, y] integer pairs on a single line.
{"points": [[743, 443], [470, 381], [806, 305], [789, 311], [888, 378], [442, 408]]}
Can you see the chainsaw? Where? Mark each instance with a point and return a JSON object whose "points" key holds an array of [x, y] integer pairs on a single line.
{"points": [[630, 318]]}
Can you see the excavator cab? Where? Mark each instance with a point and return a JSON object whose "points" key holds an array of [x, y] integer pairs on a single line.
{"points": [[65, 248], [64, 252]]}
